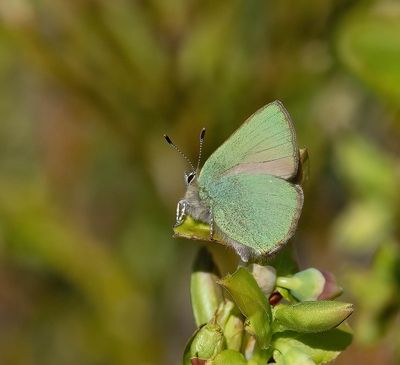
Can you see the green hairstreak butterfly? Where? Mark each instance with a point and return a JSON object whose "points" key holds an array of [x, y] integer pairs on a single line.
{"points": [[247, 193]]}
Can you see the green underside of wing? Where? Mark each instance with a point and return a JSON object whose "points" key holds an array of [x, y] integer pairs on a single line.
{"points": [[267, 138], [257, 211]]}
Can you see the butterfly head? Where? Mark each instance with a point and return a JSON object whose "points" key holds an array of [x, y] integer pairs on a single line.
{"points": [[190, 177], [189, 205]]}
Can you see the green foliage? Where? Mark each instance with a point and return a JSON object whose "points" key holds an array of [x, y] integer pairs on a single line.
{"points": [[311, 317], [293, 347], [253, 304], [304, 285], [369, 44], [283, 333], [380, 289], [310, 284]]}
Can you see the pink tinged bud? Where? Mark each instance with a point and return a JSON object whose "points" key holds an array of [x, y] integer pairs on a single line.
{"points": [[310, 285], [331, 289]]}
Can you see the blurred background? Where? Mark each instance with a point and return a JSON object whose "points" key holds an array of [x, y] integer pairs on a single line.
{"points": [[89, 272]]}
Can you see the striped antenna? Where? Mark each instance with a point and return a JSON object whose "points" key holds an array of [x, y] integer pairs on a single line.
{"points": [[179, 151], [202, 134]]}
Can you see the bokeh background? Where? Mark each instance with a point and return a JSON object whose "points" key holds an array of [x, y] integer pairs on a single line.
{"points": [[89, 272]]}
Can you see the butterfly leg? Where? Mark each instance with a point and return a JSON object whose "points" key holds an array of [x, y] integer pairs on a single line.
{"points": [[211, 226], [181, 209]]}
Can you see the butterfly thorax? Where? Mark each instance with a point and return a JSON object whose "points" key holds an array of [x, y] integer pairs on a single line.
{"points": [[192, 205]]}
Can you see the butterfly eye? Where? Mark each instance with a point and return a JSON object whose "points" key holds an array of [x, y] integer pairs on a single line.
{"points": [[190, 177]]}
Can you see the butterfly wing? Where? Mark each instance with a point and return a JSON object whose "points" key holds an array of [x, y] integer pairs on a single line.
{"points": [[256, 213], [265, 143]]}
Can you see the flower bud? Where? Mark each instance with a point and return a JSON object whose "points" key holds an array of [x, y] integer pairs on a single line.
{"points": [[311, 284], [205, 344], [312, 316], [265, 277], [206, 294]]}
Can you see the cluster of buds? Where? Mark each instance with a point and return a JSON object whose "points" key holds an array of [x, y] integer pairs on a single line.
{"points": [[311, 284], [254, 316]]}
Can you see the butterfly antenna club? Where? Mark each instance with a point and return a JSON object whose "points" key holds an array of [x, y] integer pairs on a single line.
{"points": [[169, 141], [202, 134]]}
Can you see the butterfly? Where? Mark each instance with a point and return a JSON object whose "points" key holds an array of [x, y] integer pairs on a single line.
{"points": [[247, 194]]}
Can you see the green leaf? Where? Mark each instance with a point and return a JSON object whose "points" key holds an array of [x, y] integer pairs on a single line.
{"points": [[286, 295], [258, 324], [252, 303], [312, 316], [319, 347], [245, 292], [206, 294], [260, 356], [292, 356], [369, 44]]}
